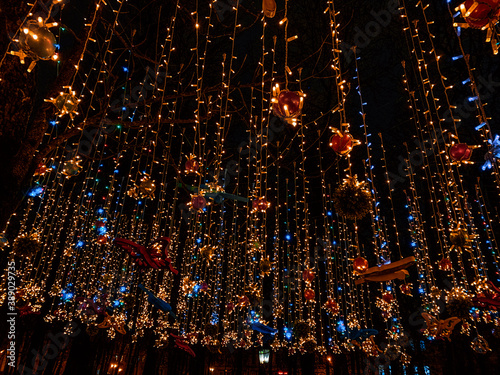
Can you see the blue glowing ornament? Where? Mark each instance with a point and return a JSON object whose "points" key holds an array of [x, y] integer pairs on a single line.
{"points": [[196, 289], [36, 191], [67, 293], [493, 153], [215, 318], [341, 326]]}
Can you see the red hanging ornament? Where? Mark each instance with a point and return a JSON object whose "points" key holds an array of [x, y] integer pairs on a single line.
{"points": [[203, 286], [309, 295], [260, 204], [41, 170], [308, 275], [342, 142], [480, 14], [460, 152], [100, 223], [484, 15], [198, 202], [154, 256], [332, 306], [243, 301], [445, 265], [287, 104], [388, 297], [360, 264], [191, 165], [406, 289]]}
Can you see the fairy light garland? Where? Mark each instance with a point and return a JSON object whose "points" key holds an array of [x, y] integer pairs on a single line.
{"points": [[241, 238], [492, 243], [482, 120], [459, 179]]}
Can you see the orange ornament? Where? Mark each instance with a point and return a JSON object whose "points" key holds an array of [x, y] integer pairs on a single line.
{"points": [[360, 264], [308, 275], [406, 289], [260, 204], [40, 170], [387, 297], [333, 306], [309, 295], [102, 239], [445, 265]]}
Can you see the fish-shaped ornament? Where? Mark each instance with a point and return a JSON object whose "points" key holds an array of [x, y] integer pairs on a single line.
{"points": [[158, 302], [480, 345], [488, 297], [154, 256], [361, 334], [267, 331], [180, 342], [386, 272]]}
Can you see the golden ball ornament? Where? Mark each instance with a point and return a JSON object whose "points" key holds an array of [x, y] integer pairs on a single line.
{"points": [[352, 200], [37, 41]]}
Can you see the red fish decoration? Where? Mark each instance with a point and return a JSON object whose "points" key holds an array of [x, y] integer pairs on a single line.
{"points": [[154, 256], [488, 298], [180, 342]]}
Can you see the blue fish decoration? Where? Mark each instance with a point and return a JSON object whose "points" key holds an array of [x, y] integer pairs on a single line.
{"points": [[267, 331], [158, 302], [262, 328], [356, 334]]}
